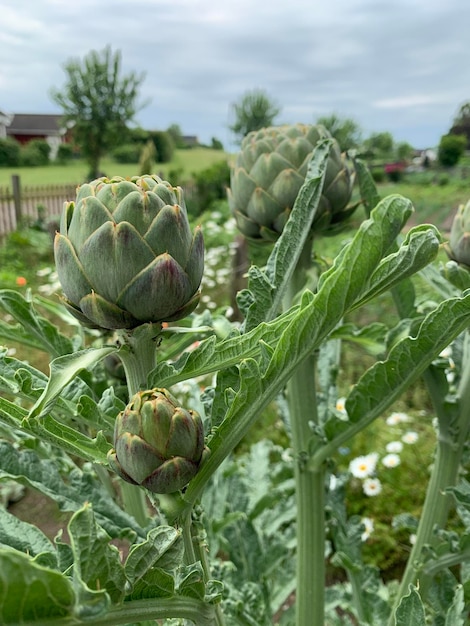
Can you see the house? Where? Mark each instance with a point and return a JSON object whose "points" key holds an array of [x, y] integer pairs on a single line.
{"points": [[5, 120], [190, 141], [27, 126]]}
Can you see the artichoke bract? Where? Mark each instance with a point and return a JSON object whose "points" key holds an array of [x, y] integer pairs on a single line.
{"points": [[269, 172], [157, 444], [125, 253], [458, 247]]}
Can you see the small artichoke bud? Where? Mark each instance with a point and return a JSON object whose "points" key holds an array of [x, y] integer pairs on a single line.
{"points": [[269, 172], [125, 254], [458, 247], [157, 444]]}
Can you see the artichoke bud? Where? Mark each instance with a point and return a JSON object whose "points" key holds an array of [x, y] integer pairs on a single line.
{"points": [[157, 444], [458, 247], [125, 254], [269, 172]]}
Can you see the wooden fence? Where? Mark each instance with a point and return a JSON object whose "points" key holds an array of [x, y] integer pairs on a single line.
{"points": [[19, 205]]}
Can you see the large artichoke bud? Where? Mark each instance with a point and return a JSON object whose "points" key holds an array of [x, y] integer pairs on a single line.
{"points": [[458, 247], [125, 253], [267, 176], [158, 444]]}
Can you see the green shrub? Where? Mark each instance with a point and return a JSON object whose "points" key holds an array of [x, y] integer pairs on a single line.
{"points": [[216, 144], [9, 152], [164, 145], [378, 174], [127, 153], [65, 153], [147, 158], [210, 185], [451, 149], [35, 153]]}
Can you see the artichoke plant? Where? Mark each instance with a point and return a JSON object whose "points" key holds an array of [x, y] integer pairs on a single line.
{"points": [[125, 253], [267, 176], [158, 444], [458, 247]]}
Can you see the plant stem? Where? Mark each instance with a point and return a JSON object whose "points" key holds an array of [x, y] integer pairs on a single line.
{"points": [[139, 357], [149, 610], [309, 485], [451, 441], [310, 499]]}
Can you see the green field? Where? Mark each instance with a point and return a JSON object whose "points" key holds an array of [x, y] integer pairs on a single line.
{"points": [[184, 163]]}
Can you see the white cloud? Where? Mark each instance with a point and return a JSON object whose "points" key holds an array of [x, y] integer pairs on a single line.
{"points": [[401, 67]]}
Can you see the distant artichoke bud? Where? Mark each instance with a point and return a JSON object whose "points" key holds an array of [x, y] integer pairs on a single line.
{"points": [[125, 253], [158, 444], [269, 172], [459, 242]]}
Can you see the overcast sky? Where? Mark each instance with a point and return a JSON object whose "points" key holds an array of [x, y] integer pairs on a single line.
{"points": [[401, 66]]}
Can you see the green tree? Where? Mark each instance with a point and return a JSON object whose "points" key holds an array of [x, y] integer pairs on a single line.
{"points": [[164, 145], [346, 131], [253, 111], [461, 124], [379, 145], [404, 151], [176, 134], [451, 148], [98, 101]]}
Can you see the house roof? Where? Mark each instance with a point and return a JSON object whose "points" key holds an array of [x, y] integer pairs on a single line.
{"points": [[34, 124]]}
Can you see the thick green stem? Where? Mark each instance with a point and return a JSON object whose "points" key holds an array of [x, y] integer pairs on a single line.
{"points": [[451, 441], [139, 357], [149, 610], [309, 485], [310, 500]]}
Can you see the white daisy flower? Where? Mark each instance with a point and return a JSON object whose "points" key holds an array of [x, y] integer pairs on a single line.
{"points": [[394, 447], [391, 460], [368, 524], [372, 486], [341, 405], [397, 418], [410, 437], [363, 466]]}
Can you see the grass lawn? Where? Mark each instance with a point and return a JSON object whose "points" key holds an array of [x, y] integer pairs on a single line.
{"points": [[184, 162]]}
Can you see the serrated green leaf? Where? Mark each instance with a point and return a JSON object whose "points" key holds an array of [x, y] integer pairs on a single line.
{"points": [[63, 370], [456, 615], [410, 611], [370, 337], [211, 356], [190, 581], [419, 248], [157, 583], [96, 562], [28, 469], [367, 187], [408, 359], [45, 593], [44, 332], [60, 435], [25, 537], [163, 548], [16, 332], [386, 380], [456, 275]]}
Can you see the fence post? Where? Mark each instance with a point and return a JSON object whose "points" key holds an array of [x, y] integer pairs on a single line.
{"points": [[15, 183]]}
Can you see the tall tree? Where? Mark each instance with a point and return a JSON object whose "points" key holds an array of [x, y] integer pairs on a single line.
{"points": [[380, 145], [253, 111], [346, 131], [98, 102], [461, 124]]}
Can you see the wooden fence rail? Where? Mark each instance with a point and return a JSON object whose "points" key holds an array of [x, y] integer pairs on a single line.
{"points": [[19, 205]]}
